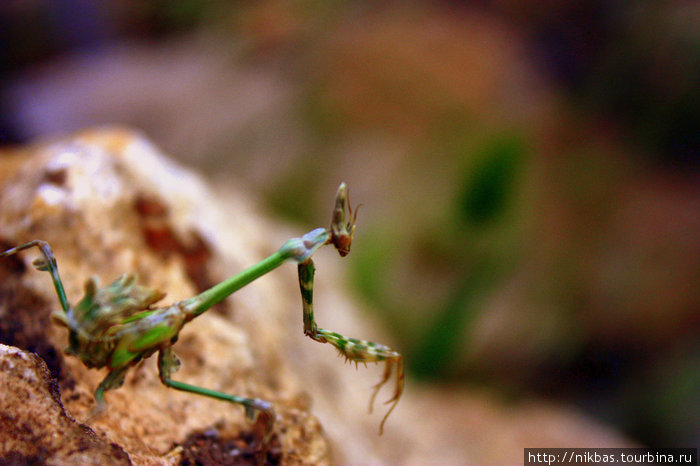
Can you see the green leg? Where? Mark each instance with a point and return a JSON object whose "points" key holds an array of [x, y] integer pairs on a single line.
{"points": [[47, 264], [114, 379], [351, 348], [258, 411]]}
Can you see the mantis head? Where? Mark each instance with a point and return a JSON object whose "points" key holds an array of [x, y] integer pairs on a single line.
{"points": [[342, 222]]}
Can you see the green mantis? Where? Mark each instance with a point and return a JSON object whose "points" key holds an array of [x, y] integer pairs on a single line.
{"points": [[117, 326]]}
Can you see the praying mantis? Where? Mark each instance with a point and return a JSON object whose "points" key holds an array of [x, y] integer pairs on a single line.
{"points": [[117, 326]]}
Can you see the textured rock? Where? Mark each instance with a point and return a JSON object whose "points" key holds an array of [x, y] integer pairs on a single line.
{"points": [[34, 427]]}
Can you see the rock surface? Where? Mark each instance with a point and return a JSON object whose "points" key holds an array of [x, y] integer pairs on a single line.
{"points": [[108, 202], [32, 416]]}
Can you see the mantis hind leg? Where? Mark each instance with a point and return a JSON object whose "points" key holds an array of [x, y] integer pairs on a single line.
{"points": [[114, 379], [260, 412]]}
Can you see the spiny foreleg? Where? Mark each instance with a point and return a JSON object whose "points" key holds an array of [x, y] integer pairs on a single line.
{"points": [[352, 349]]}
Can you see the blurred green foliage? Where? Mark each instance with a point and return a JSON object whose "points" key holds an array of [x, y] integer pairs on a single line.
{"points": [[485, 193], [488, 185]]}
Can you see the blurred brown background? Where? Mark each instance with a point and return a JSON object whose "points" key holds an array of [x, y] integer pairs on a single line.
{"points": [[529, 170]]}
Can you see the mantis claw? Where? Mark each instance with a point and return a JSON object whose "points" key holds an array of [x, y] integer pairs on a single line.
{"points": [[398, 391]]}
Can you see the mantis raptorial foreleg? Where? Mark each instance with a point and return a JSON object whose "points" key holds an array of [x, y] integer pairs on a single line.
{"points": [[117, 326], [351, 349]]}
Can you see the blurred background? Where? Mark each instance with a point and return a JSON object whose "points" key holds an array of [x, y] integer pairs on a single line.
{"points": [[529, 170]]}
